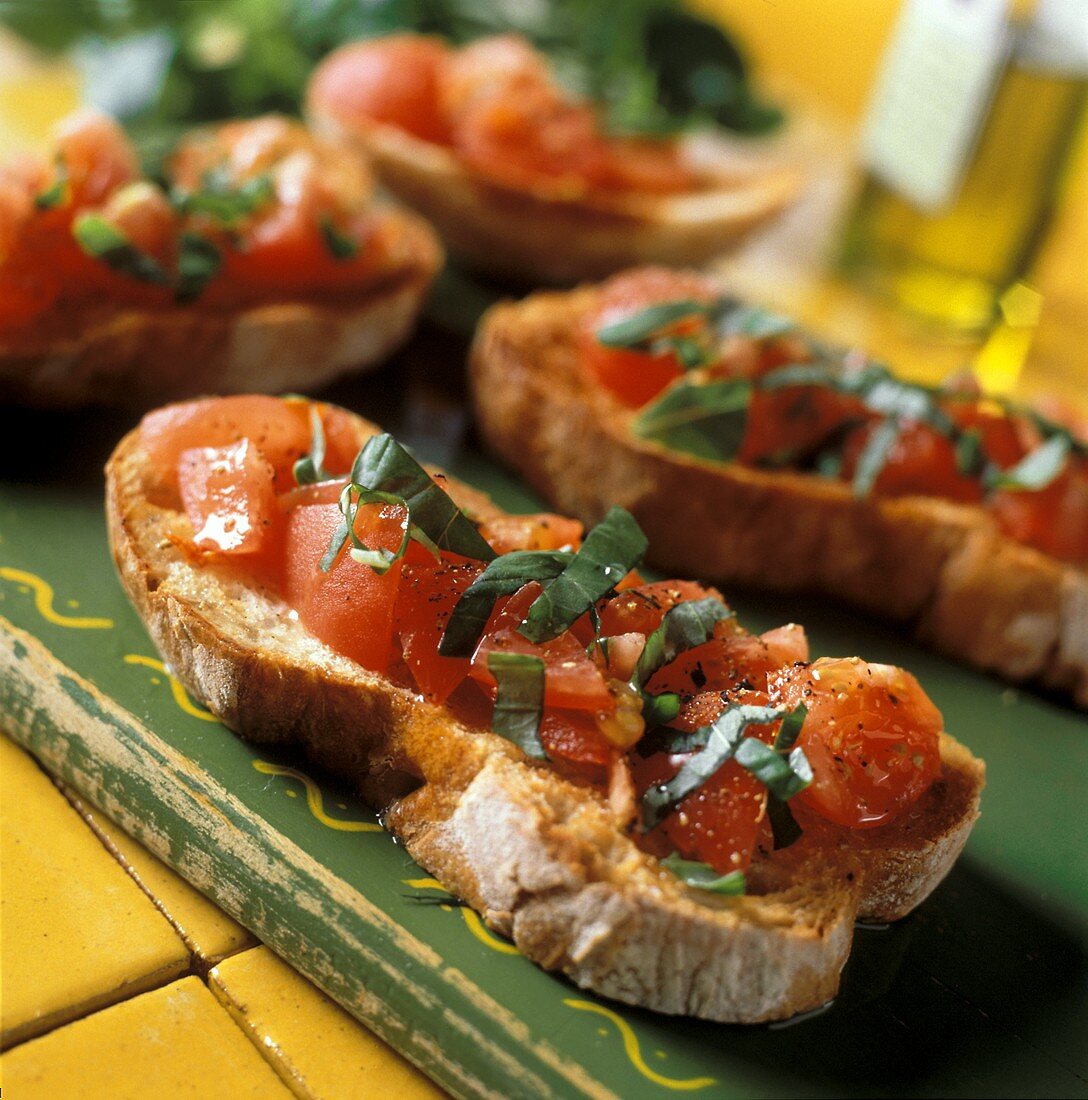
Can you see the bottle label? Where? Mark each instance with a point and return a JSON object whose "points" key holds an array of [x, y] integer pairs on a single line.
{"points": [[931, 98]]}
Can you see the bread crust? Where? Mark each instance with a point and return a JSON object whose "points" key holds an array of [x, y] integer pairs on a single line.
{"points": [[541, 859], [143, 357], [943, 568], [551, 239]]}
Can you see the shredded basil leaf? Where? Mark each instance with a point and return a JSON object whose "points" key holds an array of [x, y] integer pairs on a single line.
{"points": [[784, 776], [1036, 470], [723, 736], [339, 244], [641, 327], [198, 263], [874, 457], [607, 554], [55, 193], [221, 198], [706, 420], [734, 318], [104, 241], [502, 577], [703, 877], [970, 457], [783, 824], [310, 469], [519, 704]]}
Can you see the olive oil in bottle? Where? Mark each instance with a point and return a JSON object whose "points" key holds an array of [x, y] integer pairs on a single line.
{"points": [[971, 124]]}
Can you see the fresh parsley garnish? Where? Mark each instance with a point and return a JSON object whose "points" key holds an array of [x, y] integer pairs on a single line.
{"points": [[519, 703]]}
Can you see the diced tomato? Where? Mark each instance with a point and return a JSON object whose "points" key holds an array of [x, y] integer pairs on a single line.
{"points": [[351, 607], [719, 824], [635, 377], [280, 429], [922, 462], [571, 679], [641, 609], [574, 736], [653, 167], [1001, 441], [871, 736], [725, 662], [96, 154], [230, 499], [429, 591], [538, 531], [790, 423], [393, 80], [1054, 519]]}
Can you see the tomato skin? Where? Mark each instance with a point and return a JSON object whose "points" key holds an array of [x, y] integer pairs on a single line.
{"points": [[792, 421], [651, 167], [536, 531], [350, 608], [97, 156], [1054, 519], [428, 593], [921, 462], [230, 498], [571, 679], [574, 736], [726, 662], [393, 80], [871, 735], [639, 610], [280, 429], [636, 377], [719, 824]]}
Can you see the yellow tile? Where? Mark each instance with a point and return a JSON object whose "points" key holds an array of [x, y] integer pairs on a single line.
{"points": [[207, 931], [315, 1045], [78, 932], [174, 1041]]}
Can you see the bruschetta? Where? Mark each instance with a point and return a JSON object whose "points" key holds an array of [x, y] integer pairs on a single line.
{"points": [[670, 810], [262, 263], [751, 453], [518, 177]]}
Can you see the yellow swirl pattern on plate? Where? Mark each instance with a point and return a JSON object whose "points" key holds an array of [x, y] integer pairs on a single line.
{"points": [[634, 1054], [469, 916], [43, 601], [314, 799], [181, 696]]}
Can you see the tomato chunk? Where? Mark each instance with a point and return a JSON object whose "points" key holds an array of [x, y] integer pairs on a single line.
{"points": [[351, 607], [537, 531], [574, 736], [230, 498], [1054, 519], [393, 80], [871, 736], [635, 377], [571, 679], [429, 591], [641, 609]]}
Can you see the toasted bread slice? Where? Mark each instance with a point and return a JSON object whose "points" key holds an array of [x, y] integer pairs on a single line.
{"points": [[944, 568], [142, 357], [549, 238], [540, 858]]}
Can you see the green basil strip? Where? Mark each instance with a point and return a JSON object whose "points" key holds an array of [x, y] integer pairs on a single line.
{"points": [[224, 200], [608, 553], [970, 457], [384, 466], [502, 577], [55, 193], [104, 241], [707, 420], [519, 703], [199, 262], [734, 318], [874, 457], [783, 776], [310, 469], [683, 627], [339, 244], [647, 323], [1036, 470], [783, 824], [723, 737], [790, 729], [703, 877]]}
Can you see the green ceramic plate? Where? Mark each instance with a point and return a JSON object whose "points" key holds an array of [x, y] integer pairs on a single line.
{"points": [[983, 991]]}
